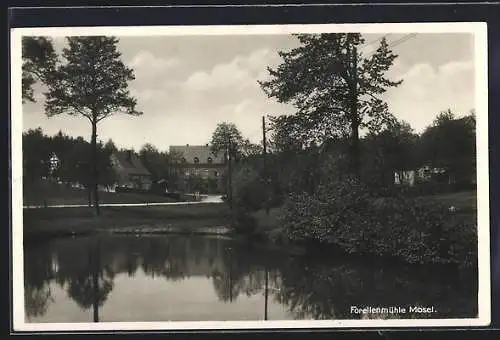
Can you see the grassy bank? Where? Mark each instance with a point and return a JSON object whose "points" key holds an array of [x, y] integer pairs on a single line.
{"points": [[464, 201], [56, 221], [56, 194]]}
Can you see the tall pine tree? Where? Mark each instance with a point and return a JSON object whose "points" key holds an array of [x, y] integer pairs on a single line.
{"points": [[335, 89]]}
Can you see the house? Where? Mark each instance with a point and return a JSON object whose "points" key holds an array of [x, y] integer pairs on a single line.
{"points": [[422, 174], [131, 172], [198, 168], [405, 177]]}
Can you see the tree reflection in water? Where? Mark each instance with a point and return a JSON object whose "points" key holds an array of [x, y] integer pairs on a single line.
{"points": [[37, 300], [92, 287], [311, 288], [326, 290], [37, 273]]}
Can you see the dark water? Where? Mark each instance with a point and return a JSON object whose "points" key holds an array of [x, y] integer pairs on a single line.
{"points": [[187, 278]]}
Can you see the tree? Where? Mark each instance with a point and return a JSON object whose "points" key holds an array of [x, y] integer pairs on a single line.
{"points": [[450, 143], [173, 159], [287, 135], [155, 161], [110, 146], [36, 153], [249, 188], [335, 89], [392, 150], [92, 82], [107, 174], [227, 139], [249, 149], [443, 117], [39, 60]]}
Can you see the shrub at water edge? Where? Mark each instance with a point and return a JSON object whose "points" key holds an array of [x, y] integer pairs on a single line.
{"points": [[345, 213]]}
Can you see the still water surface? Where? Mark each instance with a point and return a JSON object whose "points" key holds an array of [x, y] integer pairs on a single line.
{"points": [[199, 278]]}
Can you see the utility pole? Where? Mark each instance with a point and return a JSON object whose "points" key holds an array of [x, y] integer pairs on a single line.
{"points": [[231, 274], [266, 177], [95, 269], [266, 293], [354, 112], [229, 175]]}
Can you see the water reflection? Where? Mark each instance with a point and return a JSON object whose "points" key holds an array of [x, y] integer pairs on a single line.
{"points": [[128, 278], [329, 290]]}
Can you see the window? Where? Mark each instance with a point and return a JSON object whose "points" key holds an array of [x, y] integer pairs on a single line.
{"points": [[209, 160], [196, 160]]}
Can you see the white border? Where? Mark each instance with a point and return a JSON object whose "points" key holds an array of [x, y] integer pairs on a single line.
{"points": [[481, 87], [448, 27]]}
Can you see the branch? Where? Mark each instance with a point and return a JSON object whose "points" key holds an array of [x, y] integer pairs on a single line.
{"points": [[344, 72], [372, 95], [106, 115], [339, 110], [81, 111]]}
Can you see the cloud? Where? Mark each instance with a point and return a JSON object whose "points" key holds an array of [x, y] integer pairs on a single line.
{"points": [[152, 71], [151, 62], [239, 74], [426, 91], [230, 91]]}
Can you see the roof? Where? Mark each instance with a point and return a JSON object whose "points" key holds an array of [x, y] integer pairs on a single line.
{"points": [[131, 163], [203, 152]]}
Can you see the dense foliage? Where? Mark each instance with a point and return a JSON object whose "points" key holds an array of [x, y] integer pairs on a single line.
{"points": [[39, 60], [450, 143], [72, 154], [347, 214]]}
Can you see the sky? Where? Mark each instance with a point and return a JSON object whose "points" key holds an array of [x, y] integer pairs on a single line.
{"points": [[186, 85]]}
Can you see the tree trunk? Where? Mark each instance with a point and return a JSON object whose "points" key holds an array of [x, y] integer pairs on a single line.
{"points": [[266, 293], [355, 149], [95, 173], [89, 195], [355, 153], [229, 178]]}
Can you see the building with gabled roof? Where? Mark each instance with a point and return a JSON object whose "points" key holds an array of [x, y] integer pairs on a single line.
{"points": [[198, 154], [199, 168], [131, 172]]}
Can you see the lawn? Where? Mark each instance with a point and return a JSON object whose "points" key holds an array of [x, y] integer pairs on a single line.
{"points": [[81, 220], [462, 201], [59, 194]]}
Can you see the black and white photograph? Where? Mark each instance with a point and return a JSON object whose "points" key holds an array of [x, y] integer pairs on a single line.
{"points": [[233, 177]]}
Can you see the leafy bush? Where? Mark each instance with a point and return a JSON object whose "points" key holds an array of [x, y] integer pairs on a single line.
{"points": [[249, 190], [347, 214]]}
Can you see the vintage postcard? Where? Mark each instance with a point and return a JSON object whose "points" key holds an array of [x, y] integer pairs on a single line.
{"points": [[250, 177]]}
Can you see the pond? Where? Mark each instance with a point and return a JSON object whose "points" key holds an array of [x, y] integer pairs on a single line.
{"points": [[202, 278]]}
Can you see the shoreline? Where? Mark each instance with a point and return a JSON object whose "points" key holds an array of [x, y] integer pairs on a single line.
{"points": [[48, 235], [207, 218]]}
